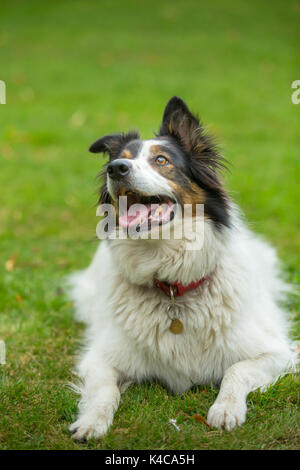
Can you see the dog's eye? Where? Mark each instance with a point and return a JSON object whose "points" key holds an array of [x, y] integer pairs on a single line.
{"points": [[161, 160]]}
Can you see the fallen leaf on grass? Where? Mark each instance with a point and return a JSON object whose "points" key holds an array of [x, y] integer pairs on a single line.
{"points": [[201, 419], [19, 299], [197, 418], [11, 262]]}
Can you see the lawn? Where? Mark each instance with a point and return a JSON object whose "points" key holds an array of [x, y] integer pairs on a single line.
{"points": [[75, 70]]}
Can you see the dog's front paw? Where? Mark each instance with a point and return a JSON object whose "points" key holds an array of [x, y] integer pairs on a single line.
{"points": [[227, 414], [87, 427]]}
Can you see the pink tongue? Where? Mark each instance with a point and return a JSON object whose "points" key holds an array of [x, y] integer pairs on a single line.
{"points": [[139, 214], [135, 215]]}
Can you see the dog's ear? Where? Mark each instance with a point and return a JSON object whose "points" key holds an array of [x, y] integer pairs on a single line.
{"points": [[104, 144], [113, 143], [179, 123]]}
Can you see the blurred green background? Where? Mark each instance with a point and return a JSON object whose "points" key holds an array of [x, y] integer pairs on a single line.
{"points": [[75, 70]]}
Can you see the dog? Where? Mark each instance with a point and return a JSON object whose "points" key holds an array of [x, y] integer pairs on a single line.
{"points": [[188, 311]]}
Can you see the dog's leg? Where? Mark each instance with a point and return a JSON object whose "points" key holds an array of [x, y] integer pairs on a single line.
{"points": [[229, 409], [100, 397]]}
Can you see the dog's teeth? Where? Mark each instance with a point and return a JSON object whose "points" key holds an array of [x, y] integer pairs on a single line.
{"points": [[158, 211]]}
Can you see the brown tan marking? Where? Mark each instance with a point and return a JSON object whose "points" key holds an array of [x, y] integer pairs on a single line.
{"points": [[157, 150], [126, 154], [193, 195]]}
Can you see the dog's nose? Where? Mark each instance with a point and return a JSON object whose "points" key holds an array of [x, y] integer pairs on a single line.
{"points": [[118, 169]]}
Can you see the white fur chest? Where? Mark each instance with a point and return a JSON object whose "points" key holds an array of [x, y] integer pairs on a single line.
{"points": [[146, 348], [128, 320]]}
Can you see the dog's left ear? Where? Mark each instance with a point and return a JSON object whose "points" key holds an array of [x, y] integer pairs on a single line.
{"points": [[105, 143], [180, 123], [113, 143]]}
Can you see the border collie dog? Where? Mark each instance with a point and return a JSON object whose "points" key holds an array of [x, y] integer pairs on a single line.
{"points": [[181, 311]]}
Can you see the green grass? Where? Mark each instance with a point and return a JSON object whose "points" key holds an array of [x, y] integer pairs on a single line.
{"points": [[75, 71]]}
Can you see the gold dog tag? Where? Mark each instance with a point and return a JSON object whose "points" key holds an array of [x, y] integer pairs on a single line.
{"points": [[176, 326]]}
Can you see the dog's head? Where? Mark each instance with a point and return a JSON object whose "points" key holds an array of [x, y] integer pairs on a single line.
{"points": [[178, 166]]}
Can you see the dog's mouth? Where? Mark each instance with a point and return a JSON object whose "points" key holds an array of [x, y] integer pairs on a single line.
{"points": [[142, 212]]}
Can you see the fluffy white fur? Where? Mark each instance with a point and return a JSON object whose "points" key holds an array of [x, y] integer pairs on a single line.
{"points": [[235, 334]]}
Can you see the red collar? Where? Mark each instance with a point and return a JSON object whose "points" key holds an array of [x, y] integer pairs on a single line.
{"points": [[178, 288]]}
